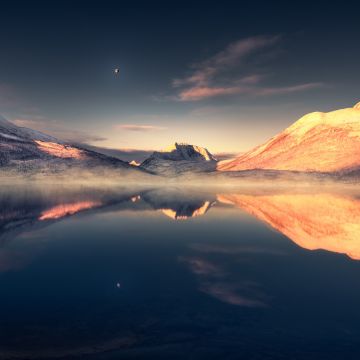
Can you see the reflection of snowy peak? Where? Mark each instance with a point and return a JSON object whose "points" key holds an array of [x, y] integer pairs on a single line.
{"points": [[180, 158], [179, 204], [334, 226]]}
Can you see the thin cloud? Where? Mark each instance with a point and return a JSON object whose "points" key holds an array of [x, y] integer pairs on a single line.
{"points": [[199, 93], [80, 136], [214, 77], [252, 79], [233, 55], [131, 127], [289, 89]]}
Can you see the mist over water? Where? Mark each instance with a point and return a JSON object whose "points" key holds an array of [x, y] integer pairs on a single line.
{"points": [[135, 271]]}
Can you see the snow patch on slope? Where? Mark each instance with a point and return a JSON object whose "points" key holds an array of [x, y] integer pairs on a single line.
{"points": [[11, 137]]}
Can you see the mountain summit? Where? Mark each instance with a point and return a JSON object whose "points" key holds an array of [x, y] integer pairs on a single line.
{"points": [[179, 158], [182, 151], [325, 142]]}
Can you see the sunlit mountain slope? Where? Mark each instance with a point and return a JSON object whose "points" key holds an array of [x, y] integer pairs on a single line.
{"points": [[326, 142]]}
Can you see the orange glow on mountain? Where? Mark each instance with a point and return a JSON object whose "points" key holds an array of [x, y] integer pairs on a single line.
{"points": [[317, 142], [202, 209], [198, 212], [322, 221], [60, 150], [62, 210], [172, 214], [134, 163]]}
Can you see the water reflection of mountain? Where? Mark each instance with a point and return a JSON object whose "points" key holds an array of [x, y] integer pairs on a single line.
{"points": [[31, 209], [228, 270], [27, 209], [179, 205], [313, 221]]}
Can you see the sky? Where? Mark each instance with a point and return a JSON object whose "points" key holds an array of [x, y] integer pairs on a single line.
{"points": [[226, 75]]}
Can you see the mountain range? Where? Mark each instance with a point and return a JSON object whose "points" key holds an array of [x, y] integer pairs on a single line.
{"points": [[316, 143], [334, 226]]}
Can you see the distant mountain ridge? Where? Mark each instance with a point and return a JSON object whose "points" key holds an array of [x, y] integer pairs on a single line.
{"points": [[320, 142], [317, 143]]}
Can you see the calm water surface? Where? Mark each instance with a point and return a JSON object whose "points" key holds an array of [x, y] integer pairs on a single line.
{"points": [[175, 274]]}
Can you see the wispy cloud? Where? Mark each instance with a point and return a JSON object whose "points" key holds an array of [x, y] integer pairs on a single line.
{"points": [[219, 75], [200, 92], [288, 89], [233, 55], [132, 127]]}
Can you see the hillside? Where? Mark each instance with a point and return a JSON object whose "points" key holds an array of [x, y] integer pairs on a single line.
{"points": [[27, 150], [324, 142]]}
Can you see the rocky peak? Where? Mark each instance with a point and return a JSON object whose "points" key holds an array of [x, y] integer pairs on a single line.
{"points": [[183, 151]]}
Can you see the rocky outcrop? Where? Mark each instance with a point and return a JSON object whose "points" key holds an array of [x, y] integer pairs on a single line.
{"points": [[180, 158]]}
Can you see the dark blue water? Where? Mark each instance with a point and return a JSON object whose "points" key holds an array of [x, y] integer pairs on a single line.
{"points": [[155, 274]]}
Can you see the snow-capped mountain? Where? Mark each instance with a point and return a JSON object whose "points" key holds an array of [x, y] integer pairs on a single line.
{"points": [[324, 142], [27, 150], [180, 158]]}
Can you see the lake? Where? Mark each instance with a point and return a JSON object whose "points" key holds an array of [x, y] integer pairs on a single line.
{"points": [[179, 273]]}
